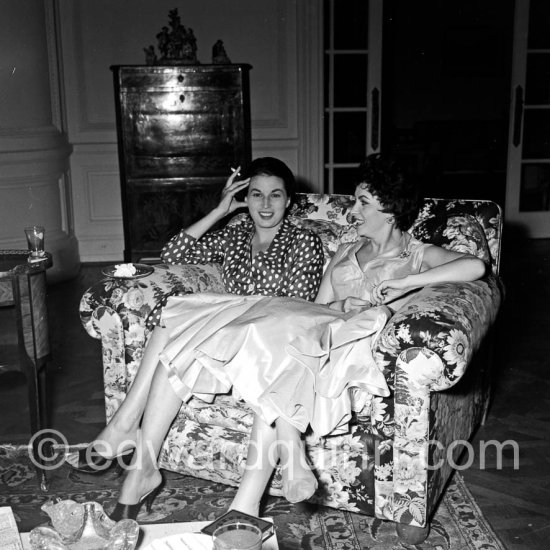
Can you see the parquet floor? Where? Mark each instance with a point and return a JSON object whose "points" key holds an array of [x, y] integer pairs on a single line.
{"points": [[516, 502]]}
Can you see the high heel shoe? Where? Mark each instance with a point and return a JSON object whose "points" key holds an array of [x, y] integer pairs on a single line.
{"points": [[130, 511], [89, 461], [299, 489], [303, 483]]}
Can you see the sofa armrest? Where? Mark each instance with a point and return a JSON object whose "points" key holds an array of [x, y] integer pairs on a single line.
{"points": [[134, 299], [450, 319], [117, 311], [425, 347]]}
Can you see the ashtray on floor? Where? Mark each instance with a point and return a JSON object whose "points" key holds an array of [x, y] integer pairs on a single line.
{"points": [[83, 526]]}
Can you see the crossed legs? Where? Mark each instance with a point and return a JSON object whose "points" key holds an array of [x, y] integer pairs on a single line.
{"points": [[268, 444], [152, 401], [121, 432], [160, 410]]}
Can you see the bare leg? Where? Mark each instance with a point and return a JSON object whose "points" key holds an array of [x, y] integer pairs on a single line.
{"points": [[124, 424], [299, 482], [161, 408], [260, 462]]}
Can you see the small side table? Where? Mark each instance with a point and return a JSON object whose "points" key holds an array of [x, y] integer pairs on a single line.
{"points": [[23, 288]]}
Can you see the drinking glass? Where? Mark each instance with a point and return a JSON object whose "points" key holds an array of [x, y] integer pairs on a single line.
{"points": [[35, 240], [237, 536]]}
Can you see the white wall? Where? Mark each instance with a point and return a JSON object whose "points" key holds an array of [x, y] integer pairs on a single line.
{"points": [[279, 38], [34, 151]]}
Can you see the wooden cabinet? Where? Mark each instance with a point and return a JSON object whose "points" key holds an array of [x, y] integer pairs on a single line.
{"points": [[180, 130]]}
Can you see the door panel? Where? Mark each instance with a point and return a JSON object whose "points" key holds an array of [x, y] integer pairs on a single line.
{"points": [[353, 71], [528, 174]]}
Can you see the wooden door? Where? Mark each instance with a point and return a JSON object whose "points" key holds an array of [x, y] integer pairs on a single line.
{"points": [[528, 174]]}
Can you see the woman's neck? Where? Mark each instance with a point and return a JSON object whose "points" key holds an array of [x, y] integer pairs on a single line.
{"points": [[263, 237], [389, 244]]}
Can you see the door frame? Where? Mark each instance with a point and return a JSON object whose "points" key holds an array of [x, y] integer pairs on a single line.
{"points": [[535, 224]]}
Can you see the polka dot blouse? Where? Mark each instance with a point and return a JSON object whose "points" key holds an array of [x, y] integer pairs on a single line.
{"points": [[291, 266]]}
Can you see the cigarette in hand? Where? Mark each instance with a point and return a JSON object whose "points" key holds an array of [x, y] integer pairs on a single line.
{"points": [[235, 170]]}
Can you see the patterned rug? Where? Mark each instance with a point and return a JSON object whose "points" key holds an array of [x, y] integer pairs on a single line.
{"points": [[458, 523]]}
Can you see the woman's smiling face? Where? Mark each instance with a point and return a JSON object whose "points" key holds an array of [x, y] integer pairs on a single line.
{"points": [[367, 212], [267, 200]]}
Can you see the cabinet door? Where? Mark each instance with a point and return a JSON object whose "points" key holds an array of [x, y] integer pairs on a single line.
{"points": [[353, 92], [528, 174]]}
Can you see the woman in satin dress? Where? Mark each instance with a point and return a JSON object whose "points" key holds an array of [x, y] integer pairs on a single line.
{"points": [[324, 368], [295, 362]]}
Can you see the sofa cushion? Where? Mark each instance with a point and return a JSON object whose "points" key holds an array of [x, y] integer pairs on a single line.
{"points": [[458, 232], [330, 233]]}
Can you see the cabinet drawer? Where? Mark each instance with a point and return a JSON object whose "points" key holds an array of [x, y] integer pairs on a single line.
{"points": [[178, 78], [180, 134], [179, 101]]}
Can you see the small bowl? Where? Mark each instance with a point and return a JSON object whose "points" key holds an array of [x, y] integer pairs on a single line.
{"points": [[83, 525]]}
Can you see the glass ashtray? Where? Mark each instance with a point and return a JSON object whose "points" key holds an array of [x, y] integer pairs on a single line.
{"points": [[82, 526]]}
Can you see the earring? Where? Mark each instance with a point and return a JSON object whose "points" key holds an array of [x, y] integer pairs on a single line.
{"points": [[391, 219]]}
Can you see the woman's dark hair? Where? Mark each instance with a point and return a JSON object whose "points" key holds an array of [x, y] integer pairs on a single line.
{"points": [[270, 166], [384, 178]]}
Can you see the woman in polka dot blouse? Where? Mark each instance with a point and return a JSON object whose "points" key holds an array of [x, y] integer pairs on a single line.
{"points": [[266, 255]]}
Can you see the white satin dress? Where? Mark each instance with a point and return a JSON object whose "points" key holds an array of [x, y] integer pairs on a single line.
{"points": [[286, 357]]}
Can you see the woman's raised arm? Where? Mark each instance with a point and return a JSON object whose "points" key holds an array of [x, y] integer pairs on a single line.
{"points": [[228, 203], [438, 266]]}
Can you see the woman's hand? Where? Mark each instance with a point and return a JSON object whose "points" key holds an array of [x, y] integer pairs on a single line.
{"points": [[228, 203], [350, 304], [379, 293]]}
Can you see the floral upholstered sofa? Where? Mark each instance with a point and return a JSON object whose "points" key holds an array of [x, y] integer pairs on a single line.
{"points": [[396, 459]]}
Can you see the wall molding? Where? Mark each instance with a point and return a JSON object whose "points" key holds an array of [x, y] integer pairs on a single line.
{"points": [[310, 92], [104, 249], [29, 181], [282, 121], [32, 165], [54, 65], [96, 202], [30, 139], [81, 129]]}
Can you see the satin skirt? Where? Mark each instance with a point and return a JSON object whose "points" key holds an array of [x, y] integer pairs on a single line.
{"points": [[285, 357]]}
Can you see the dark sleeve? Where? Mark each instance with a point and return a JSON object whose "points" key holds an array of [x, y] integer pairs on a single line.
{"points": [[185, 249], [306, 270]]}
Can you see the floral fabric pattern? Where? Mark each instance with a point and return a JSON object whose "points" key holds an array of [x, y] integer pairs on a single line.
{"points": [[429, 347], [436, 214]]}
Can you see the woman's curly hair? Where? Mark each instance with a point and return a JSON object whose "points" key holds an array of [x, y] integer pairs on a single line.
{"points": [[385, 179]]}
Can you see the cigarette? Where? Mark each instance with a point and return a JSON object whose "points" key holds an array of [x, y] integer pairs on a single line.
{"points": [[235, 170]]}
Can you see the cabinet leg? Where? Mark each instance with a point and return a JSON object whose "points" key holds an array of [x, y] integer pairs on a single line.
{"points": [[412, 534], [36, 383]]}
